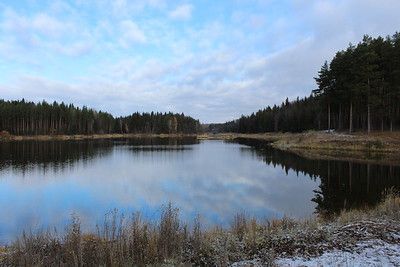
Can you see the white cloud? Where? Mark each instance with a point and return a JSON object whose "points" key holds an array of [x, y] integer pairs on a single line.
{"points": [[41, 33], [214, 70], [74, 49], [40, 23], [131, 33], [47, 25], [183, 12]]}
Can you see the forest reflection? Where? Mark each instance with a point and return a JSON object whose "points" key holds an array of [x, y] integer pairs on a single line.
{"points": [[58, 155], [343, 184]]}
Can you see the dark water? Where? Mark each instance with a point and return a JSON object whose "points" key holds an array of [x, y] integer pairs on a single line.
{"points": [[43, 183]]}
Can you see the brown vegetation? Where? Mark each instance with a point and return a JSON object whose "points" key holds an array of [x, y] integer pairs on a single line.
{"points": [[374, 147], [134, 241], [377, 142], [4, 135], [90, 137], [387, 142]]}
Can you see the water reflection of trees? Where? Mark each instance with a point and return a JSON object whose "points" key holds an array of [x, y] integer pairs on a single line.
{"points": [[25, 155], [57, 155], [159, 141], [344, 184], [161, 144]]}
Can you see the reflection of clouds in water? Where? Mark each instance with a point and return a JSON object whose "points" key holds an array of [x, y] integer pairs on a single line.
{"points": [[213, 179]]}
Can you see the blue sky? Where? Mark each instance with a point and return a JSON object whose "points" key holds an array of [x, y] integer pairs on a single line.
{"points": [[213, 60]]}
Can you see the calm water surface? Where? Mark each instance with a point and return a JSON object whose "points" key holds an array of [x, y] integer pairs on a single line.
{"points": [[43, 183]]}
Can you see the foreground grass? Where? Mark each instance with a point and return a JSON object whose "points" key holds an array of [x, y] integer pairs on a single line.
{"points": [[133, 241]]}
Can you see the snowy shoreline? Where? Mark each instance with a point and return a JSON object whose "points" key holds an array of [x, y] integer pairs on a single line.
{"points": [[361, 243], [365, 237], [368, 253]]}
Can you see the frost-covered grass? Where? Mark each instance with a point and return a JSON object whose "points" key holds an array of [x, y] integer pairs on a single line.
{"points": [[374, 252], [369, 237], [349, 238]]}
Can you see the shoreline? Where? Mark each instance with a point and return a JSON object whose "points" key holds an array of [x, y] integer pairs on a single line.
{"points": [[75, 137], [385, 142], [378, 147]]}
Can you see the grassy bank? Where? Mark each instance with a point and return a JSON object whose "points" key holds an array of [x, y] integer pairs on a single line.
{"points": [[134, 241], [385, 142], [367, 148], [6, 138], [378, 147], [377, 142]]}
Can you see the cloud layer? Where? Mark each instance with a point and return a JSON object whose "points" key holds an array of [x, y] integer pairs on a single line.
{"points": [[211, 60]]}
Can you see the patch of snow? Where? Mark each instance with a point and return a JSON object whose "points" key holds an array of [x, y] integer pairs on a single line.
{"points": [[367, 253], [248, 263]]}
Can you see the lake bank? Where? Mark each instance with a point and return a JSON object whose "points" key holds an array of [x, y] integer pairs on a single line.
{"points": [[357, 147], [87, 137], [384, 142], [352, 235], [377, 147]]}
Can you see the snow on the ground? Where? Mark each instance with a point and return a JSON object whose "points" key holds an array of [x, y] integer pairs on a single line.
{"points": [[248, 263], [367, 253]]}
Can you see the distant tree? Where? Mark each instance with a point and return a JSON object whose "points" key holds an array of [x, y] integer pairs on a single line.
{"points": [[28, 118]]}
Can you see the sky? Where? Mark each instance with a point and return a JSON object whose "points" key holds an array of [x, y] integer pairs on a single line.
{"points": [[211, 59]]}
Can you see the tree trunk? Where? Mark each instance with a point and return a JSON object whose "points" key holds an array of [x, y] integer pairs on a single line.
{"points": [[369, 110], [369, 118], [340, 117], [351, 118], [350, 175], [329, 171], [329, 117], [368, 176], [391, 125]]}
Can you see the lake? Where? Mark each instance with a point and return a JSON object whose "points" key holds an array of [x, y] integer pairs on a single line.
{"points": [[44, 183]]}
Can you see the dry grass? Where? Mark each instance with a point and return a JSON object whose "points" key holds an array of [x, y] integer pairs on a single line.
{"points": [[385, 142], [387, 209], [4, 136], [376, 147], [88, 137], [133, 241], [3, 253]]}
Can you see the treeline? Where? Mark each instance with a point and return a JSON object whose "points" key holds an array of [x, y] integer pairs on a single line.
{"points": [[358, 90], [295, 116], [29, 118]]}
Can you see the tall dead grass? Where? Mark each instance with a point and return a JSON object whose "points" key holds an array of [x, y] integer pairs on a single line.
{"points": [[127, 241], [389, 208]]}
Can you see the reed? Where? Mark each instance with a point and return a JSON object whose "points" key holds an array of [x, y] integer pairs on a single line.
{"points": [[127, 241]]}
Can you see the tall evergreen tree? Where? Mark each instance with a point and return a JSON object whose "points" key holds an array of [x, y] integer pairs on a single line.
{"points": [[360, 87]]}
